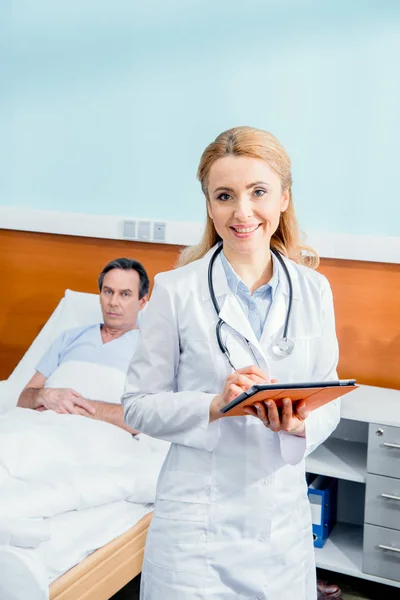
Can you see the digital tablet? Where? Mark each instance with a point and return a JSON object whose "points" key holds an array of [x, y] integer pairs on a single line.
{"points": [[316, 394]]}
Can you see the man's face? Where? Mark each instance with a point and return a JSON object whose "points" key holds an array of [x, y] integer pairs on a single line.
{"points": [[119, 299]]}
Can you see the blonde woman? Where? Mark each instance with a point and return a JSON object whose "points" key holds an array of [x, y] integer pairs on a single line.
{"points": [[232, 518]]}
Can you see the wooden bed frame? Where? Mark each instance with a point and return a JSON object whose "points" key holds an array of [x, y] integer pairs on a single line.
{"points": [[103, 573]]}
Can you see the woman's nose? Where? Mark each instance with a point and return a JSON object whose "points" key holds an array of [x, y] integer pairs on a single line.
{"points": [[243, 208]]}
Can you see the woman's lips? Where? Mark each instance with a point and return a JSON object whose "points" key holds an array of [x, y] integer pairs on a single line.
{"points": [[244, 232]]}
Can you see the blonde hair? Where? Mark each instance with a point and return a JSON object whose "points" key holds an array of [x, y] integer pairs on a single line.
{"points": [[255, 143]]}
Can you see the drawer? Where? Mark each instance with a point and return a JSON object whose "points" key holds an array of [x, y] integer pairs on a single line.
{"points": [[384, 450], [382, 501], [381, 552]]}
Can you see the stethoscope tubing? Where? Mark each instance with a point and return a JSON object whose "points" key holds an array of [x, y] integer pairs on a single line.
{"points": [[221, 322]]}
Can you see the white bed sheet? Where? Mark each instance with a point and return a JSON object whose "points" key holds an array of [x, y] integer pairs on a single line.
{"points": [[69, 485], [77, 534], [26, 573]]}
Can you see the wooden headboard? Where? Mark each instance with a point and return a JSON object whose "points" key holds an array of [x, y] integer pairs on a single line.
{"points": [[36, 269]]}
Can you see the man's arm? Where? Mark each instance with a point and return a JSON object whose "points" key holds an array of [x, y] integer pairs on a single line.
{"points": [[61, 400], [110, 413], [30, 395]]}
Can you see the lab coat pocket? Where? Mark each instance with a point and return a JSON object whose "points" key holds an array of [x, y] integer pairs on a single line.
{"points": [[177, 537], [183, 496], [177, 545], [296, 367], [159, 583]]}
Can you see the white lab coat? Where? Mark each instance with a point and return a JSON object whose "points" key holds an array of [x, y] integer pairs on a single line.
{"points": [[232, 518]]}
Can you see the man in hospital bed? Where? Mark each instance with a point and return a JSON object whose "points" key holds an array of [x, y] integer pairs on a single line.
{"points": [[81, 371], [82, 482]]}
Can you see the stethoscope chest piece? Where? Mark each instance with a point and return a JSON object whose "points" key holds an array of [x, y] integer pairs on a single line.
{"points": [[283, 347]]}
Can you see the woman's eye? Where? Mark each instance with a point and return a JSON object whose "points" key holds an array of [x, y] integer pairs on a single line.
{"points": [[224, 197], [259, 192]]}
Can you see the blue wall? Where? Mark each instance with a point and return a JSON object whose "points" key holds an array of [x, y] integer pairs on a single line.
{"points": [[107, 106]]}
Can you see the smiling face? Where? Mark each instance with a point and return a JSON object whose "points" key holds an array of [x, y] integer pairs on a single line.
{"points": [[119, 299], [245, 201]]}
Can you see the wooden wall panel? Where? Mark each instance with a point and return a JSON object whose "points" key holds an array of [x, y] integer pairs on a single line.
{"points": [[37, 268], [367, 307]]}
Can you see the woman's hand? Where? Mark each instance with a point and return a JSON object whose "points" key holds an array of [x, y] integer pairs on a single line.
{"points": [[236, 383], [291, 420]]}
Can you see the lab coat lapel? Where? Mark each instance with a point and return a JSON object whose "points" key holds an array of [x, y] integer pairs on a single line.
{"points": [[276, 317], [232, 314], [275, 322]]}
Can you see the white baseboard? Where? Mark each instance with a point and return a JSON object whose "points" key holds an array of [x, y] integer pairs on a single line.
{"points": [[328, 245]]}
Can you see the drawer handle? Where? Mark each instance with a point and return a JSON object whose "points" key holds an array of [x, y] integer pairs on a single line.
{"points": [[390, 497], [389, 445], [391, 548]]}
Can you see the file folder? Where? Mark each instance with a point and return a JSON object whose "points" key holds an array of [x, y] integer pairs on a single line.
{"points": [[322, 494]]}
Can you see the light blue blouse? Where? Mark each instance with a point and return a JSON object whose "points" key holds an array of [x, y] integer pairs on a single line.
{"points": [[255, 305]]}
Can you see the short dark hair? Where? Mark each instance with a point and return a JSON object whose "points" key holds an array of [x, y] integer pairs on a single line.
{"points": [[127, 264]]}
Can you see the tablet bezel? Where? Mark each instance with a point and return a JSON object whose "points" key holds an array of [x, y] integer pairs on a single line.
{"points": [[282, 387]]}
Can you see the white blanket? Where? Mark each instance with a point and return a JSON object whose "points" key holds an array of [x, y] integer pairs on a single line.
{"points": [[52, 466], [91, 380]]}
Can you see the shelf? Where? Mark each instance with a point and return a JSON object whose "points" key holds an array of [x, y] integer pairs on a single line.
{"points": [[340, 459], [342, 553], [372, 405]]}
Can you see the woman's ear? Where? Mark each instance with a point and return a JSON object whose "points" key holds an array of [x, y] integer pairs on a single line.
{"points": [[209, 211], [285, 200]]}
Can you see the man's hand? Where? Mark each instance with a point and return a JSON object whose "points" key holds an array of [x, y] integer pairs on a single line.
{"points": [[63, 401]]}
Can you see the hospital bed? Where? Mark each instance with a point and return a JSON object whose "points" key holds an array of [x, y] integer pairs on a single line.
{"points": [[108, 569]]}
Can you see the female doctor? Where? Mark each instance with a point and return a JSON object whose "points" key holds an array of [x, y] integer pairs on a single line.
{"points": [[232, 518]]}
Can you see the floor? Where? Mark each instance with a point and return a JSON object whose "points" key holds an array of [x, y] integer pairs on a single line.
{"points": [[360, 589], [130, 591], [352, 589]]}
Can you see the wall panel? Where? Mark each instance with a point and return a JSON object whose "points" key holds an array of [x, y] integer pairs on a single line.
{"points": [[37, 268]]}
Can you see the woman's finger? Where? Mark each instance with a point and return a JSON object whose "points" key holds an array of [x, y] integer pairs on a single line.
{"points": [[253, 370], [250, 410], [243, 381], [302, 411], [258, 379], [273, 415], [287, 414], [262, 413], [233, 392]]}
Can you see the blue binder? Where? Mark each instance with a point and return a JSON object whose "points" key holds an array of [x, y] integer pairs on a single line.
{"points": [[322, 494]]}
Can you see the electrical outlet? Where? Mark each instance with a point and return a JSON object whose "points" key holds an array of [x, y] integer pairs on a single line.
{"points": [[129, 229], [144, 230], [159, 232]]}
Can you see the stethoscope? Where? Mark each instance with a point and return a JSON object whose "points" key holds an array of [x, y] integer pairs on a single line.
{"points": [[282, 347]]}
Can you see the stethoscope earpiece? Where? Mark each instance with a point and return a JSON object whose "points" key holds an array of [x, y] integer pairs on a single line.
{"points": [[283, 347]]}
